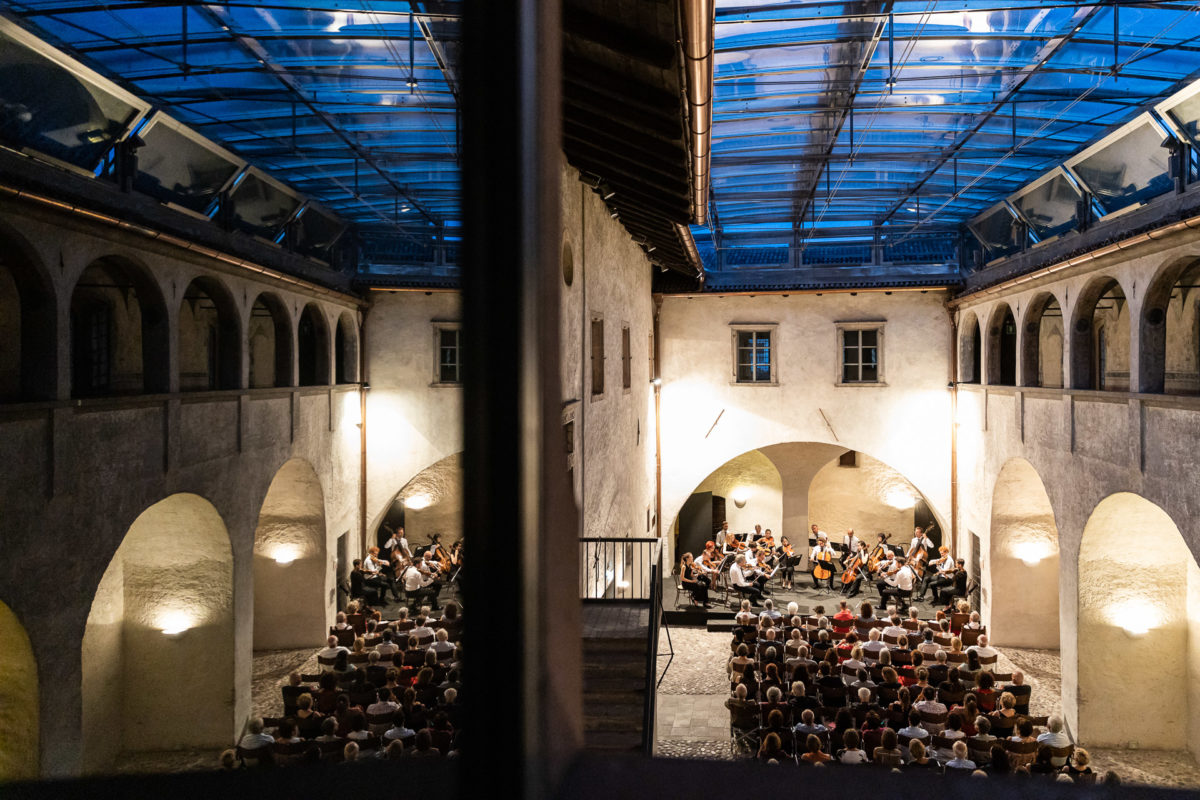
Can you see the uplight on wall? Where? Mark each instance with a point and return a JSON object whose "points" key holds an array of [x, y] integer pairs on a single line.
{"points": [[740, 497], [174, 623], [899, 497], [1031, 553], [1136, 617], [418, 501], [285, 556]]}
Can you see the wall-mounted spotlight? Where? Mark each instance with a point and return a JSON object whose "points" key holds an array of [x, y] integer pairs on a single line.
{"points": [[656, 381]]}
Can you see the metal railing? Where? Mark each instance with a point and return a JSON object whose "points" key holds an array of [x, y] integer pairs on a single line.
{"points": [[618, 569]]}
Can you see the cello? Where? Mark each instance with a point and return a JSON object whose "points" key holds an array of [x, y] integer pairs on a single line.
{"points": [[824, 557], [852, 569]]}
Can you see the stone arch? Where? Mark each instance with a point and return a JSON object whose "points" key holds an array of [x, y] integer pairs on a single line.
{"points": [[210, 337], [1021, 605], [28, 324], [18, 701], [1169, 359], [269, 335], [1139, 603], [1097, 346], [312, 346], [431, 502], [290, 564], [119, 331], [798, 464], [1001, 358], [345, 349], [1042, 343], [970, 349], [158, 648]]}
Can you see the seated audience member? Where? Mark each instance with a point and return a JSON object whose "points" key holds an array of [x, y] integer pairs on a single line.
{"points": [[398, 732], [423, 746], [350, 753], [308, 721], [442, 646], [851, 753], [743, 712], [1056, 738], [808, 724], [918, 758], [813, 753], [421, 630], [332, 649], [960, 760], [327, 695], [1000, 765], [973, 622], [329, 726], [414, 710], [340, 622], [387, 647], [357, 725], [799, 700], [1005, 717], [981, 743], [384, 704], [376, 672], [873, 645], [771, 749], [1020, 691], [1079, 767], [229, 760], [255, 738], [929, 704], [451, 707], [914, 729], [953, 731], [985, 694], [888, 753], [285, 732], [983, 649], [1023, 735]]}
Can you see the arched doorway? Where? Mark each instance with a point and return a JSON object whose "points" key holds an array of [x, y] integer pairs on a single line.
{"points": [[27, 327], [210, 339], [1002, 347], [1021, 605], [345, 350], [431, 502], [1100, 338], [1042, 347], [312, 342], [1170, 331], [291, 583], [158, 662], [270, 336], [970, 350], [1139, 604], [18, 701], [119, 332]]}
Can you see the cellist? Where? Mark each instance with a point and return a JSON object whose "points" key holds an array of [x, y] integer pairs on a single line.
{"points": [[856, 567], [821, 562]]}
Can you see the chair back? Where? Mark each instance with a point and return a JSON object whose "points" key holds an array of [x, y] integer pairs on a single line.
{"points": [[359, 658], [934, 718], [987, 661], [979, 751], [911, 624], [1060, 753], [345, 636], [327, 661], [953, 657], [1020, 748], [357, 622], [944, 744], [286, 752], [256, 756], [891, 639], [332, 749], [958, 620], [971, 636]]}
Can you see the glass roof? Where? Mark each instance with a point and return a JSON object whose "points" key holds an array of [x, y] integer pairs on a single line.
{"points": [[832, 127], [353, 104]]}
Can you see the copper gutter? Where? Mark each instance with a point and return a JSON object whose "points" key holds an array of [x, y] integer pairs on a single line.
{"points": [[698, 21]]}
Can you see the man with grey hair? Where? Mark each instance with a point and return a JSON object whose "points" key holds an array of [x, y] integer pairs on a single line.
{"points": [[1054, 737]]}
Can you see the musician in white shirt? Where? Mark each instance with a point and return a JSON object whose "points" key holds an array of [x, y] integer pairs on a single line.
{"points": [[821, 556], [900, 585], [744, 578], [851, 543], [944, 575]]}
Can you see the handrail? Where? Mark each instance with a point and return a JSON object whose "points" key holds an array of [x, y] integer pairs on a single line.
{"points": [[616, 568], [650, 709]]}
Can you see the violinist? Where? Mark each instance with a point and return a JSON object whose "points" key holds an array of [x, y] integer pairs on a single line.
{"points": [[789, 558], [746, 579], [821, 562], [856, 568], [724, 537], [942, 576], [885, 568], [899, 585]]}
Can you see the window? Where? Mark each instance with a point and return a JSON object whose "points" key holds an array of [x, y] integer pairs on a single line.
{"points": [[848, 459], [753, 359], [861, 346], [448, 369], [597, 356], [626, 359]]}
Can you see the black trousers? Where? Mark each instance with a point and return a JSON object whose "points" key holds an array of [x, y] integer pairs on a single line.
{"points": [[818, 581], [903, 596]]}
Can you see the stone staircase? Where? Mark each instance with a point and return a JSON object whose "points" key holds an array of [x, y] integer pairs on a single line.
{"points": [[614, 693]]}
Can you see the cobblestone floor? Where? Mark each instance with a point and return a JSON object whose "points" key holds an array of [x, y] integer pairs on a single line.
{"points": [[692, 721]]}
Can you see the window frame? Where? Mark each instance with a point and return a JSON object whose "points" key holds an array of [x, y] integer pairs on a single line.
{"points": [[438, 329], [839, 361], [771, 328], [626, 358], [596, 388]]}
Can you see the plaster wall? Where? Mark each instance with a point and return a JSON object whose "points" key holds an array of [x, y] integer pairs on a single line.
{"points": [[613, 431], [86, 469], [412, 421], [1084, 445], [18, 701], [807, 419], [858, 497], [442, 486], [757, 477]]}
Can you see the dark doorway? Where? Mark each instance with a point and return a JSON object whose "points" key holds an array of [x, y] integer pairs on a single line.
{"points": [[1008, 350], [923, 518]]}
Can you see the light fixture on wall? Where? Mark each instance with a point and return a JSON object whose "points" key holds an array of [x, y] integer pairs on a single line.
{"points": [[418, 502], [1031, 553], [1135, 616], [740, 496], [285, 556], [656, 381], [175, 623]]}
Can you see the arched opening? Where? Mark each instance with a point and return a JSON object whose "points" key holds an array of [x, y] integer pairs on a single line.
{"points": [[788, 487], [312, 340], [1139, 603], [27, 327], [158, 660], [210, 340], [1170, 338], [18, 701], [970, 350], [345, 350], [1002, 347], [1022, 597], [1100, 338], [119, 332], [270, 336], [1042, 348], [429, 503], [290, 567]]}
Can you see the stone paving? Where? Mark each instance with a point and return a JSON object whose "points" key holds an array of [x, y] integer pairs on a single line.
{"points": [[692, 721]]}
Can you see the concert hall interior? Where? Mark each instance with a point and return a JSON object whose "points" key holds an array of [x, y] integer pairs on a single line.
{"points": [[655, 308]]}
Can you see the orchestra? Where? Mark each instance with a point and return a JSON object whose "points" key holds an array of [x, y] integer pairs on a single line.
{"points": [[900, 574]]}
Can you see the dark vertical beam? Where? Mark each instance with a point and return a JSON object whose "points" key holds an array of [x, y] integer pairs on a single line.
{"points": [[524, 717]]}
